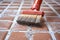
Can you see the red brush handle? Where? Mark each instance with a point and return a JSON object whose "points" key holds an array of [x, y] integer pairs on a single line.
{"points": [[36, 5]]}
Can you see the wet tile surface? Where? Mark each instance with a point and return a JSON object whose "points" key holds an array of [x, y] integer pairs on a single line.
{"points": [[10, 13]]}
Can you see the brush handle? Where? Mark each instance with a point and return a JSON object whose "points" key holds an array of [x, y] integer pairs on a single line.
{"points": [[36, 5]]}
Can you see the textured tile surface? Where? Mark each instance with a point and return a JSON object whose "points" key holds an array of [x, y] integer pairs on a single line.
{"points": [[10, 12]]}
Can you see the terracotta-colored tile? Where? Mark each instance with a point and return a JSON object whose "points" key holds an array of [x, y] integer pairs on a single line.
{"points": [[27, 5], [58, 11], [27, 2], [57, 35], [6, 3], [45, 9], [6, 18], [57, 8], [2, 8], [50, 13], [15, 5], [43, 27], [2, 35], [53, 19], [12, 8], [55, 26], [19, 27], [25, 8], [17, 36], [5, 25], [3, 4], [49, 1], [54, 5], [10, 13], [41, 36]]}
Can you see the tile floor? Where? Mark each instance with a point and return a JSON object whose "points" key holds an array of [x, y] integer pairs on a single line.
{"points": [[11, 30]]}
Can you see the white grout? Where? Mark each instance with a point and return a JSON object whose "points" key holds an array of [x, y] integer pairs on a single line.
{"points": [[6, 20], [29, 28], [49, 27], [3, 30], [56, 2], [52, 8], [14, 21], [5, 9], [1, 3]]}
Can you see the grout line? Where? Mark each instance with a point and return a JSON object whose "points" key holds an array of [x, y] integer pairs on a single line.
{"points": [[6, 20], [29, 33], [56, 2], [52, 8], [50, 30], [14, 21], [6, 9], [3, 30], [1, 3], [49, 27]]}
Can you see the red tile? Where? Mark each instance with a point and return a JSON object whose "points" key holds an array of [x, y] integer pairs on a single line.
{"points": [[6, 3], [56, 5], [41, 36], [58, 11], [43, 27], [25, 8], [45, 9], [2, 8], [49, 1], [15, 4], [17, 36], [50, 13], [12, 8], [53, 19], [5, 25], [57, 8], [57, 35], [2, 35], [19, 27], [27, 2], [6, 18], [55, 26], [10, 13]]}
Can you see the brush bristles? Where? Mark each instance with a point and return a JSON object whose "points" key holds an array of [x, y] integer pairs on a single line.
{"points": [[29, 19]]}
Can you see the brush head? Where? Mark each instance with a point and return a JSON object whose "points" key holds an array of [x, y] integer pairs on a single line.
{"points": [[29, 19]]}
